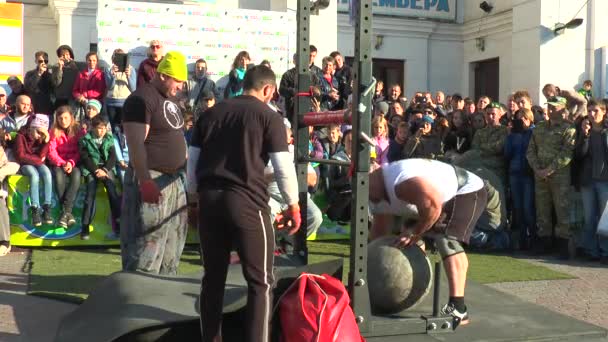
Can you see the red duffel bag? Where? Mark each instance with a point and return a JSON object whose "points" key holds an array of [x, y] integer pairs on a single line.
{"points": [[316, 308]]}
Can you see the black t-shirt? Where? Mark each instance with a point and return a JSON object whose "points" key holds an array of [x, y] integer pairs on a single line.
{"points": [[165, 144], [235, 138]]}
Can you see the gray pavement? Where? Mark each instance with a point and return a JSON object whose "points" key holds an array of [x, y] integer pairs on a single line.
{"points": [[25, 318], [584, 298], [31, 318]]}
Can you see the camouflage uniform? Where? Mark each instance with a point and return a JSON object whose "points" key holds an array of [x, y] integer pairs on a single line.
{"points": [[426, 146], [153, 235], [552, 147], [490, 142]]}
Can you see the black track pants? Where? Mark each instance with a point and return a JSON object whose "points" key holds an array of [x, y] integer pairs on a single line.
{"points": [[228, 219]]}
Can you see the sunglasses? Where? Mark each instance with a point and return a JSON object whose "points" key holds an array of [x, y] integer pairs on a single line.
{"points": [[428, 112], [46, 61], [155, 46]]}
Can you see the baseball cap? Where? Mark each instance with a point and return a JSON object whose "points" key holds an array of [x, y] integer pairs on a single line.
{"points": [[13, 79], [494, 104], [557, 101], [174, 64]]}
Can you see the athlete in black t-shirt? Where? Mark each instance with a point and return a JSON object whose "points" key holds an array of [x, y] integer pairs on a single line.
{"points": [[154, 216], [231, 144]]}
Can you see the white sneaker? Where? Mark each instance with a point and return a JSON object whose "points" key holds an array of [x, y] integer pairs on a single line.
{"points": [[460, 318]]}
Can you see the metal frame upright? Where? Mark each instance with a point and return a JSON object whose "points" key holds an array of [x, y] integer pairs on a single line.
{"points": [[361, 120], [360, 115]]}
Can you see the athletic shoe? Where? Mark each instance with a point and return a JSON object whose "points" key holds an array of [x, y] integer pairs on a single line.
{"points": [[47, 218], [460, 318], [71, 219], [36, 216], [84, 233], [63, 220]]}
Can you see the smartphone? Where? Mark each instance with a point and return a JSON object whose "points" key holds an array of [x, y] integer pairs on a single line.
{"points": [[121, 60]]}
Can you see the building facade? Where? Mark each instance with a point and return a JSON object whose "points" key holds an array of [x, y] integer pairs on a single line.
{"points": [[449, 45], [455, 46]]}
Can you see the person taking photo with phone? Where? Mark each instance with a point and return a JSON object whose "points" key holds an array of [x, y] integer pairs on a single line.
{"points": [[121, 81]]}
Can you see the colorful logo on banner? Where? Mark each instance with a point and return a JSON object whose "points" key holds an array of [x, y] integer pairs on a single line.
{"points": [[23, 233], [11, 48], [197, 30]]}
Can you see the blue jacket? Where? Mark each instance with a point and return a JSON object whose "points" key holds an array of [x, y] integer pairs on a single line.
{"points": [[515, 152]]}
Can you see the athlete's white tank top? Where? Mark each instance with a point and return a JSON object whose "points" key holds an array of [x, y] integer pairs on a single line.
{"points": [[441, 176]]}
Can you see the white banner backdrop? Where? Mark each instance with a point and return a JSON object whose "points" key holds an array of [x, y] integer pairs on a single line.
{"points": [[199, 31]]}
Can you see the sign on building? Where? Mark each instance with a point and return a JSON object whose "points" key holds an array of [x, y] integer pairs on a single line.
{"points": [[429, 9]]}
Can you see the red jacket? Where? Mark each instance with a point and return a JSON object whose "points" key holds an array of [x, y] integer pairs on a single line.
{"points": [[64, 149], [90, 86], [29, 151]]}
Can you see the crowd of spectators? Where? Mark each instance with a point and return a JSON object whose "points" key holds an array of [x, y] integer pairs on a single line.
{"points": [[63, 123]]}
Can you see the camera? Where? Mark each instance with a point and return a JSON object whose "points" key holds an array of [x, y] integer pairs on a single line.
{"points": [[121, 60], [420, 99]]}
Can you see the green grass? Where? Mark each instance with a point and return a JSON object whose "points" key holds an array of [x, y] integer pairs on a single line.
{"points": [[483, 268], [70, 274]]}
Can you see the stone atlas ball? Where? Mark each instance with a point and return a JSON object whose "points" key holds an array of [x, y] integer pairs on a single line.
{"points": [[398, 278]]}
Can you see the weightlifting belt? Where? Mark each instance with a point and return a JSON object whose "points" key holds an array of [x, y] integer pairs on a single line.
{"points": [[462, 177]]}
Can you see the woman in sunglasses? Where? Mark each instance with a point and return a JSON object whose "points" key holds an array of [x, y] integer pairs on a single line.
{"points": [[147, 68]]}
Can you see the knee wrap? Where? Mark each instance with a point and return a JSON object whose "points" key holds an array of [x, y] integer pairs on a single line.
{"points": [[448, 247]]}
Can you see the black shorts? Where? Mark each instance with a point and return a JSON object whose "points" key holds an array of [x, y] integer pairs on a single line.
{"points": [[460, 215]]}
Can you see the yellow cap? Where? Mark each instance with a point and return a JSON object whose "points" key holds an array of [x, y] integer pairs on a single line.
{"points": [[174, 64]]}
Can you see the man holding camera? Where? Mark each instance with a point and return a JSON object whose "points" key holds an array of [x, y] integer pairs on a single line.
{"points": [[38, 85], [64, 75]]}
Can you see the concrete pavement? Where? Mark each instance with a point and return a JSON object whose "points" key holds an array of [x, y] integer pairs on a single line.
{"points": [[26, 318], [584, 298]]}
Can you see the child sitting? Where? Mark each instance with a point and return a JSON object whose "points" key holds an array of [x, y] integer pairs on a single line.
{"points": [[63, 159], [93, 109], [31, 150], [98, 159]]}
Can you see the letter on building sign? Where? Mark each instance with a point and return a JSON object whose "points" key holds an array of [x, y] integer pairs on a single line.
{"points": [[429, 3], [387, 3], [443, 6], [415, 5]]}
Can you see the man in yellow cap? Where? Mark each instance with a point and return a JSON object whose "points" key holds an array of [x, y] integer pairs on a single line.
{"points": [[154, 219]]}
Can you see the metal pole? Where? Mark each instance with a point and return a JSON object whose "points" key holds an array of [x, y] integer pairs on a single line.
{"points": [[302, 106], [361, 109], [436, 289]]}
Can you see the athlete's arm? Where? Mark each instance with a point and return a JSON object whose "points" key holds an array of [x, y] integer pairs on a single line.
{"points": [[425, 197], [136, 126], [136, 134]]}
